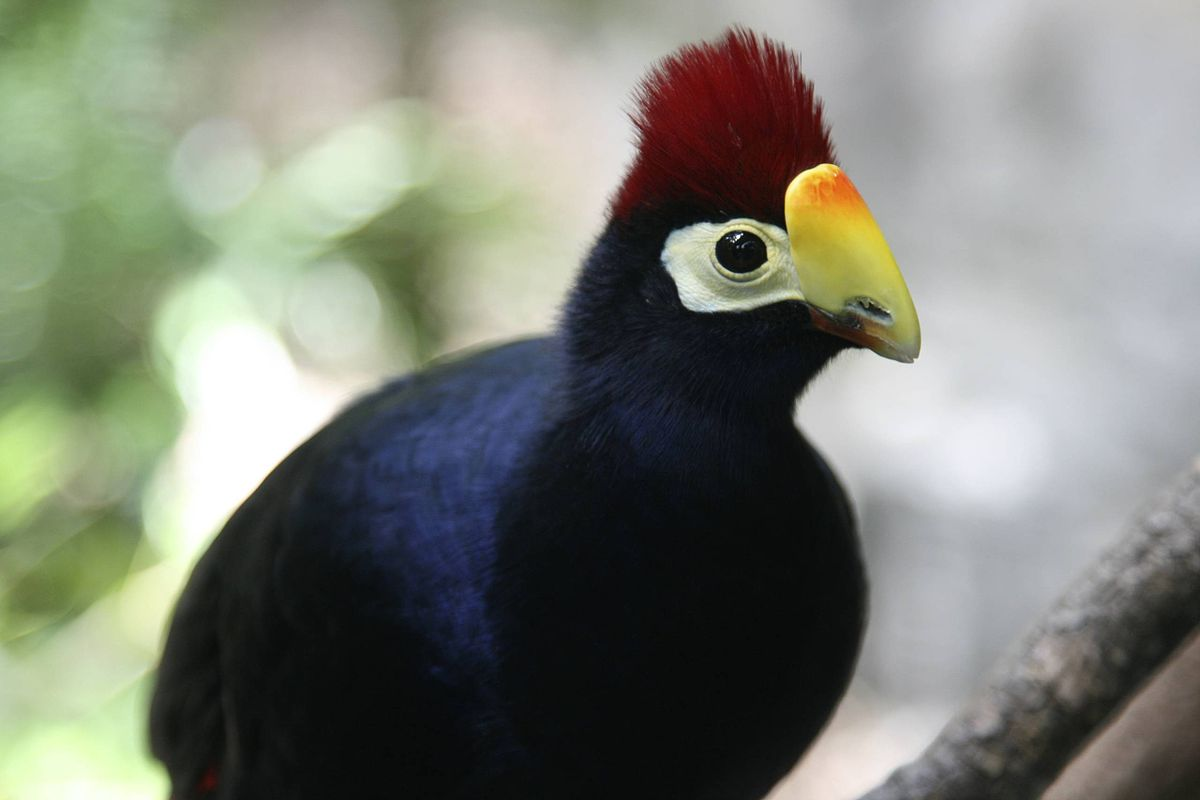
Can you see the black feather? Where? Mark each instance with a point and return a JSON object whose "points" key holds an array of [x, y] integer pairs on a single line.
{"points": [[603, 564]]}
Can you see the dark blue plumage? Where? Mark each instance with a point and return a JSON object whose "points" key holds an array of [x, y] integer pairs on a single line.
{"points": [[601, 564]]}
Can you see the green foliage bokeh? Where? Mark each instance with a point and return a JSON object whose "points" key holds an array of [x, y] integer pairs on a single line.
{"points": [[137, 213]]}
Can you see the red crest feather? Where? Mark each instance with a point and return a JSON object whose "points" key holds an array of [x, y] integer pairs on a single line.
{"points": [[724, 126]]}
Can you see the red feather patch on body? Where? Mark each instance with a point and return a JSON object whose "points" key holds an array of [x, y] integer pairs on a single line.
{"points": [[724, 125], [208, 781]]}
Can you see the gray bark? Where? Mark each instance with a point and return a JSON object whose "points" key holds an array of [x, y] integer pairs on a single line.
{"points": [[1152, 749], [1081, 664]]}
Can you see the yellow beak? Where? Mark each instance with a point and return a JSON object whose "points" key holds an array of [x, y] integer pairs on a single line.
{"points": [[847, 273]]}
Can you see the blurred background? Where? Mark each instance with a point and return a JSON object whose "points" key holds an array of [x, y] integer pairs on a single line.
{"points": [[220, 221]]}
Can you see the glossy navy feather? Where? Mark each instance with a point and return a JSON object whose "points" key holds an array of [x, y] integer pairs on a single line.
{"points": [[601, 564]]}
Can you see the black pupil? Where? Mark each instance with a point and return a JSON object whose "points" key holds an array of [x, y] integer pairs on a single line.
{"points": [[741, 252]]}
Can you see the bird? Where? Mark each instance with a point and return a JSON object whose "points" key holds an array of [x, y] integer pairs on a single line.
{"points": [[599, 563]]}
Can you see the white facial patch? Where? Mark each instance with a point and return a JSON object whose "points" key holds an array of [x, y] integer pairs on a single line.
{"points": [[690, 256]]}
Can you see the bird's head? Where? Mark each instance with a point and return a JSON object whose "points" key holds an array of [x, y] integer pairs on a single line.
{"points": [[735, 243]]}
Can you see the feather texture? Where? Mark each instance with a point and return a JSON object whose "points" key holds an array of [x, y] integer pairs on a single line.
{"points": [[602, 564], [724, 125]]}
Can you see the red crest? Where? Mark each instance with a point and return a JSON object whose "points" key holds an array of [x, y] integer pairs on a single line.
{"points": [[724, 126]]}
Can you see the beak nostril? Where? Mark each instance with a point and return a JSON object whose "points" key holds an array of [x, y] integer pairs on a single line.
{"points": [[870, 308]]}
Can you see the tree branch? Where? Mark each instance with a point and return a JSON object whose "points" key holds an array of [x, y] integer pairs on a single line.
{"points": [[1152, 748], [1082, 662]]}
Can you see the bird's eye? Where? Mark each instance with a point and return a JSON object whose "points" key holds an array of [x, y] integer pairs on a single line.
{"points": [[741, 252]]}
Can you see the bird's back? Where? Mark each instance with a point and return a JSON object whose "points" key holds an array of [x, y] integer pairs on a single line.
{"points": [[353, 581]]}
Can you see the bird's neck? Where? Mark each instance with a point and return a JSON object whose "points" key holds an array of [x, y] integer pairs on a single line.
{"points": [[664, 422]]}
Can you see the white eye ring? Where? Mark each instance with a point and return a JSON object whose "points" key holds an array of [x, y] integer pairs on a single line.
{"points": [[689, 256]]}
